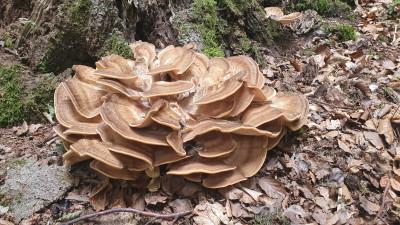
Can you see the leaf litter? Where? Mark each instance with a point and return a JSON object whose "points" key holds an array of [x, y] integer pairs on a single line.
{"points": [[333, 171]]}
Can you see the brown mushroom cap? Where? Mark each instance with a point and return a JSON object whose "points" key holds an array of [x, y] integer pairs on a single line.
{"points": [[143, 49], [274, 12], [215, 144], [118, 118], [68, 116], [289, 18], [113, 172], [199, 165], [85, 97], [163, 88]]}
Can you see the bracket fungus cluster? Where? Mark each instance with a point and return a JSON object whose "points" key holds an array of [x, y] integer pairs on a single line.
{"points": [[208, 120]]}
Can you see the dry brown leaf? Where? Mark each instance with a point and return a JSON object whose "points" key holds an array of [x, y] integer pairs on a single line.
{"points": [[323, 50], [363, 86], [154, 198], [296, 214], [210, 214], [22, 129], [374, 138], [397, 171], [369, 206], [346, 194], [138, 201], [395, 183], [231, 192], [312, 177], [239, 211], [320, 217], [181, 205], [99, 199], [344, 146], [385, 128], [272, 187], [297, 65]]}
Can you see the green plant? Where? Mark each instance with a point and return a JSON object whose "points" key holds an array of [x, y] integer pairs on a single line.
{"points": [[29, 22], [387, 89], [392, 9], [323, 7], [180, 26], [345, 32], [378, 107], [352, 16], [382, 38], [16, 105], [398, 77], [210, 26], [116, 45], [4, 201]]}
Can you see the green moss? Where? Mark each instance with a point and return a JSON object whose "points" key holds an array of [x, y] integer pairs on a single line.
{"points": [[382, 38], [78, 11], [345, 32], [210, 26], [323, 7], [116, 45], [180, 26], [15, 104], [4, 201]]}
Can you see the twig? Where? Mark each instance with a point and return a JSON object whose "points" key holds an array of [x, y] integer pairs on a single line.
{"points": [[383, 200], [156, 216], [316, 100]]}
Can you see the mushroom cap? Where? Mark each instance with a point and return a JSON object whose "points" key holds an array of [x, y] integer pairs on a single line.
{"points": [[274, 12], [221, 90], [289, 18], [143, 49], [199, 165], [113, 172], [177, 60], [215, 144], [118, 118], [69, 117], [71, 157], [85, 97], [163, 88]]}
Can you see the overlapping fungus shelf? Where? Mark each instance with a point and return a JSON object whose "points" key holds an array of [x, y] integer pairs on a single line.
{"points": [[208, 120]]}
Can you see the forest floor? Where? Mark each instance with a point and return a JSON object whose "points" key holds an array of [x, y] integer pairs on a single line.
{"points": [[342, 167]]}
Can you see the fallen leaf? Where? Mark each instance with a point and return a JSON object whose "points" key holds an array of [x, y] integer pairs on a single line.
{"points": [[22, 129], [99, 199], [239, 212], [346, 194], [138, 201], [385, 129], [210, 214], [188, 189], [181, 205], [231, 192], [374, 138], [154, 198], [297, 65], [296, 214], [272, 187], [369, 206], [319, 216], [395, 183]]}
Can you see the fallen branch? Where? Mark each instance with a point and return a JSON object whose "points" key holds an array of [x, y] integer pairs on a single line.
{"points": [[383, 200], [156, 216]]}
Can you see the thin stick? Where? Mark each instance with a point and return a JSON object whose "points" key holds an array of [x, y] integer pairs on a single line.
{"points": [[383, 200], [174, 216]]}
